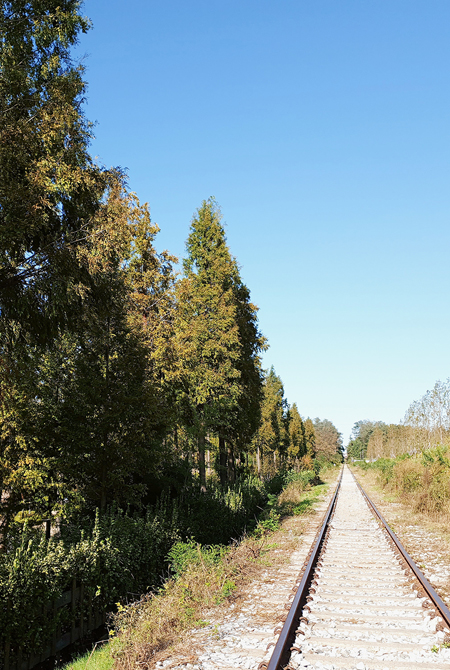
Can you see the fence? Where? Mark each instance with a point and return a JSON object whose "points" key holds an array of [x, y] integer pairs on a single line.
{"points": [[79, 620]]}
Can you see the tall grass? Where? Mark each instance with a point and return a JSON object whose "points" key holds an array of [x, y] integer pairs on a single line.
{"points": [[422, 480]]}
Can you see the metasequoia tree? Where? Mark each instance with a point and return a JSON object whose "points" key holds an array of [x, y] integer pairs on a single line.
{"points": [[297, 440], [272, 437], [241, 427], [49, 187], [50, 192], [85, 417], [121, 342], [209, 349], [310, 438]]}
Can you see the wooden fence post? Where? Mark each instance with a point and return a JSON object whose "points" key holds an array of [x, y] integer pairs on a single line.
{"points": [[81, 609], [74, 606], [8, 638], [55, 632]]}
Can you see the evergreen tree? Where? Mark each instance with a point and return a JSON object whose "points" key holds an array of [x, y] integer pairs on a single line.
{"points": [[84, 419], [297, 440], [119, 406], [208, 347], [49, 187], [310, 438], [272, 437], [247, 413]]}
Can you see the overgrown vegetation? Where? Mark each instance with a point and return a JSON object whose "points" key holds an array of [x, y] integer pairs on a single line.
{"points": [[113, 556], [420, 480], [203, 577], [120, 555]]}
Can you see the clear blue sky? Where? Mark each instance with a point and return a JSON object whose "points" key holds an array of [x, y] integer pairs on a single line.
{"points": [[322, 129]]}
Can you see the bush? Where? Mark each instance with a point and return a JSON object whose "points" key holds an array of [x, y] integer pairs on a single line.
{"points": [[421, 480], [113, 555], [118, 553]]}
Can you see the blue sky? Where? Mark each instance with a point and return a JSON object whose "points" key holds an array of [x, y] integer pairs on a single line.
{"points": [[322, 129]]}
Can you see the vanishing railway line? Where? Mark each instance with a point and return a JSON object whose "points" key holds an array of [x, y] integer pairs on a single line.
{"points": [[361, 602]]}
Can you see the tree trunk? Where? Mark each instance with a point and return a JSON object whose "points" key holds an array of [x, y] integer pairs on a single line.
{"points": [[104, 465], [103, 487], [201, 462], [231, 469], [222, 460], [258, 461]]}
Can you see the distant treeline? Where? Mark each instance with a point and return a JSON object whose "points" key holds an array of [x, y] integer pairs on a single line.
{"points": [[426, 425]]}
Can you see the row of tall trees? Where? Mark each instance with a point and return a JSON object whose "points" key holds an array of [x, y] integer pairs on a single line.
{"points": [[111, 364], [90, 409], [285, 438]]}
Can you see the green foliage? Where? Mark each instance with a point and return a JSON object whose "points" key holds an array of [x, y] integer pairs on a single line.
{"points": [[297, 438], [82, 420], [272, 437], [269, 523], [34, 571], [282, 479], [308, 499], [219, 514], [304, 476], [98, 659], [50, 189], [310, 438], [217, 372], [185, 554], [117, 553], [227, 589]]}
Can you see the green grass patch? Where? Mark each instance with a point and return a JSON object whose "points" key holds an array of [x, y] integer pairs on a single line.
{"points": [[97, 659], [309, 498]]}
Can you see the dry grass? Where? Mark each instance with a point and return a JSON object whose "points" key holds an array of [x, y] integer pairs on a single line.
{"points": [[418, 506], [292, 494], [424, 488]]}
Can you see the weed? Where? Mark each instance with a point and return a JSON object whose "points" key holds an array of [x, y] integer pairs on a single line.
{"points": [[98, 659], [268, 525]]}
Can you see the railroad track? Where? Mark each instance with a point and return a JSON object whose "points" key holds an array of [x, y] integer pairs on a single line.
{"points": [[361, 603]]}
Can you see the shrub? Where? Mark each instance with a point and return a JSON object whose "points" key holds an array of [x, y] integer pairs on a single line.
{"points": [[422, 480]]}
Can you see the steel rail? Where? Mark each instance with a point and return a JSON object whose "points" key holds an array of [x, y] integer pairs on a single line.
{"points": [[434, 597], [281, 652]]}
